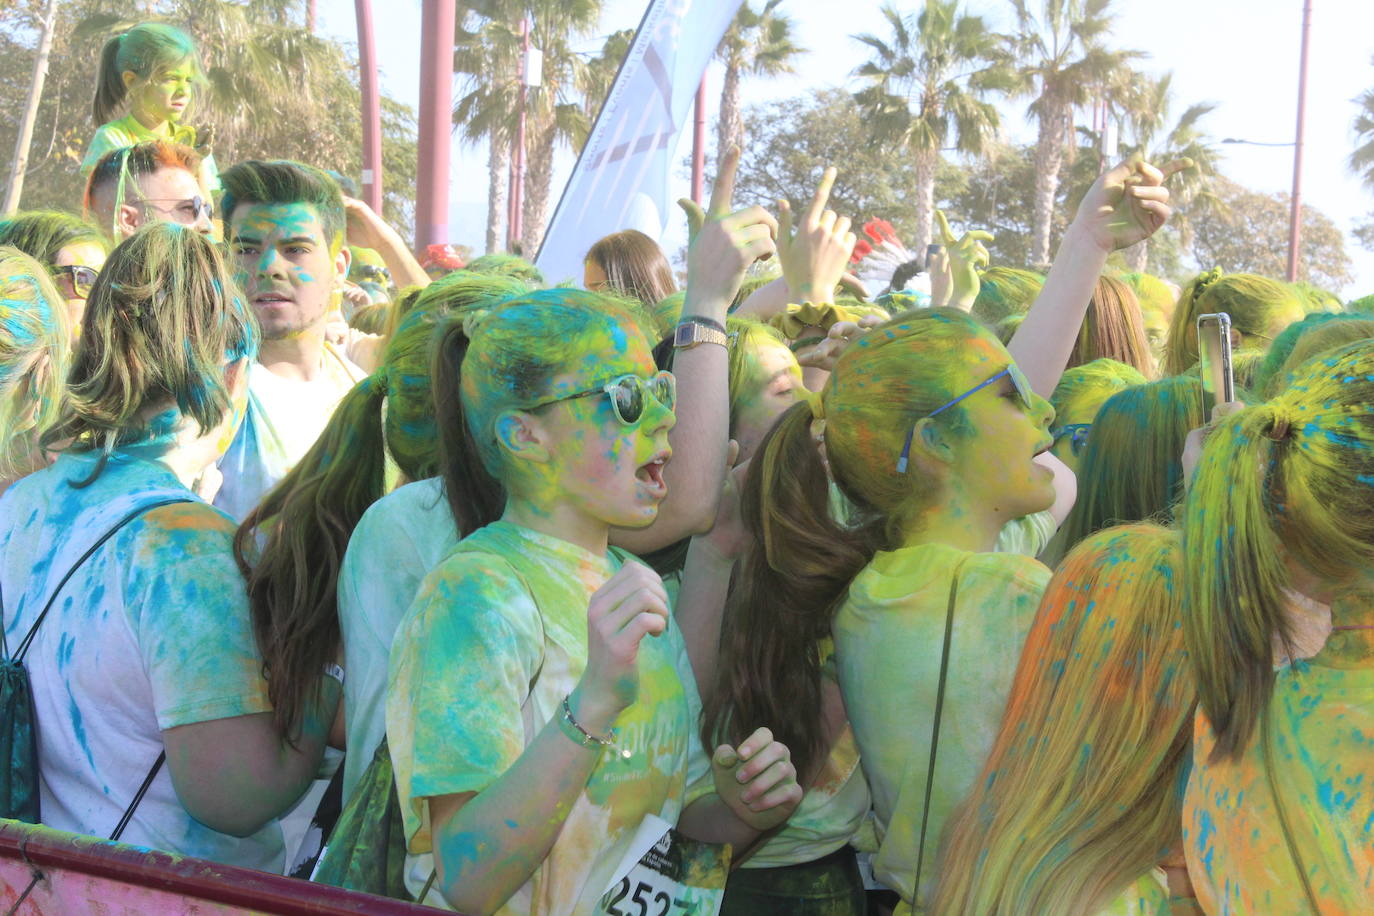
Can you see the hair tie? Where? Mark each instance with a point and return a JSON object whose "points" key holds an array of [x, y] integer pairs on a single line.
{"points": [[473, 320], [377, 382], [1279, 431], [1206, 279]]}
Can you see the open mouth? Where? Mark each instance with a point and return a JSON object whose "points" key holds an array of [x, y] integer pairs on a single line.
{"points": [[651, 474], [270, 299]]}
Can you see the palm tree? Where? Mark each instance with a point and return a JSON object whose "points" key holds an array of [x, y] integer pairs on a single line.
{"points": [[20, 164], [926, 82], [487, 55], [758, 43], [1362, 160], [1064, 62]]}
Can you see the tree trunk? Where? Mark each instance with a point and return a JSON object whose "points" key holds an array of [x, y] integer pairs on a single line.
{"points": [[730, 127], [25, 138], [1049, 159], [1137, 256], [538, 179], [923, 207], [498, 180]]}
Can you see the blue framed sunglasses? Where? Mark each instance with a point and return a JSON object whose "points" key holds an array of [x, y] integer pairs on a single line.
{"points": [[1023, 391], [627, 394], [1078, 433]]}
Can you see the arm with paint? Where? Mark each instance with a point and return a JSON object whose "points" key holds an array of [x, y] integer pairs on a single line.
{"points": [[488, 843], [1126, 205], [722, 248], [367, 229], [962, 258]]}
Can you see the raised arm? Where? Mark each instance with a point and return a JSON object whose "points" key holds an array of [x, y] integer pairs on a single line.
{"points": [[1127, 204], [367, 229]]}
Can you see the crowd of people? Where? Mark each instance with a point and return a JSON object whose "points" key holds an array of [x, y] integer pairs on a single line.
{"points": [[949, 590]]}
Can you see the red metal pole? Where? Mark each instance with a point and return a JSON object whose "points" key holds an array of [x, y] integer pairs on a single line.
{"points": [[1295, 216], [372, 106], [517, 192], [699, 143], [436, 120]]}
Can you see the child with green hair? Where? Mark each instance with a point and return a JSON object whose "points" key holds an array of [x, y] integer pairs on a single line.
{"points": [[1277, 816], [151, 68]]}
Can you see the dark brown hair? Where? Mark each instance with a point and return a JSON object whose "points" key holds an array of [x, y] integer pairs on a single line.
{"points": [[634, 266]]}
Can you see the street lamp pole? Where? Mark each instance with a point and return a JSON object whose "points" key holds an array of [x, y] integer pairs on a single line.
{"points": [[1295, 216]]}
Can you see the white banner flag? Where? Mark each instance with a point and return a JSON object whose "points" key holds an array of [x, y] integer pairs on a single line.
{"points": [[621, 179]]}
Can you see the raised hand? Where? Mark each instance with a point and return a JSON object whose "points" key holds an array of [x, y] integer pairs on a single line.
{"points": [[816, 258], [967, 255], [826, 353], [723, 244], [1127, 204], [631, 605], [757, 781]]}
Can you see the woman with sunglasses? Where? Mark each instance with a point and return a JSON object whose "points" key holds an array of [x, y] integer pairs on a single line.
{"points": [[71, 249], [532, 725], [1077, 398], [931, 430]]}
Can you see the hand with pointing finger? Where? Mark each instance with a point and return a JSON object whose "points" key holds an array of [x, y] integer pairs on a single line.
{"points": [[967, 256], [723, 244], [1127, 204], [814, 260]]}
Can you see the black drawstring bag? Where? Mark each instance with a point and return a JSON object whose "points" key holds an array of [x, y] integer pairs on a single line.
{"points": [[18, 727]]}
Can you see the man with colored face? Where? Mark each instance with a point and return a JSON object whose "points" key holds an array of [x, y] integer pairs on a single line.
{"points": [[153, 180], [284, 223]]}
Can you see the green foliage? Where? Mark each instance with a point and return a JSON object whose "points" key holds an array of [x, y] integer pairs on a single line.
{"points": [[1246, 231], [272, 90]]}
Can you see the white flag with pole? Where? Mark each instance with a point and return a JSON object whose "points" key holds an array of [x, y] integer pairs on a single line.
{"points": [[622, 175]]}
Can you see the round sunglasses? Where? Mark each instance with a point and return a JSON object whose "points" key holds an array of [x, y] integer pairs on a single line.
{"points": [[627, 394]]}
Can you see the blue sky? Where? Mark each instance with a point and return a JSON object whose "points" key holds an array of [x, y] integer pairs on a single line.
{"points": [[1243, 57]]}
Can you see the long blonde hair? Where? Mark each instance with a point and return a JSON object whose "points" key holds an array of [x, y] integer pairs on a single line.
{"points": [[1080, 794], [34, 343]]}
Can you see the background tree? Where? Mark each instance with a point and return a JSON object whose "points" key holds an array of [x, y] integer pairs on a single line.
{"points": [[271, 90], [757, 43], [1065, 62], [924, 86], [486, 55], [1362, 160], [1248, 231]]}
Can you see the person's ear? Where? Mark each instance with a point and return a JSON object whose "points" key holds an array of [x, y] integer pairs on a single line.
{"points": [[236, 378], [129, 77], [342, 262], [931, 448], [127, 220], [521, 435]]}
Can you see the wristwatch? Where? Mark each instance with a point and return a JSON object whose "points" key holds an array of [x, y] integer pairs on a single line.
{"points": [[693, 332]]}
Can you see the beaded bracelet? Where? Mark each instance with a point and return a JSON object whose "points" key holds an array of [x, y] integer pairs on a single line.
{"points": [[574, 730]]}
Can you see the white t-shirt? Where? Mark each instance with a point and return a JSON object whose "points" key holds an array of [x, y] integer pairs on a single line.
{"points": [[152, 632], [399, 539], [284, 418]]}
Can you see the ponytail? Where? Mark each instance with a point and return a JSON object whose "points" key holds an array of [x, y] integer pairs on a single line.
{"points": [[474, 496], [800, 562], [1280, 485], [307, 519], [109, 83]]}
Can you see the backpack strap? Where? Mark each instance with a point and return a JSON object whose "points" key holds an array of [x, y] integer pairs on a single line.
{"points": [[23, 647], [935, 727], [138, 797]]}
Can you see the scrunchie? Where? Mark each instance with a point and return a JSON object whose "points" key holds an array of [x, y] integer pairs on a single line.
{"points": [[1206, 279], [1280, 429], [378, 383]]}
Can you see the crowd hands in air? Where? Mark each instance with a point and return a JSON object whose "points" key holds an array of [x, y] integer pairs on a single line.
{"points": [[949, 569]]}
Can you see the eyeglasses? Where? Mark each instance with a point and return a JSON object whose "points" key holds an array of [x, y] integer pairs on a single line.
{"points": [[80, 278], [627, 395], [1078, 433], [1023, 392], [372, 272], [189, 209]]}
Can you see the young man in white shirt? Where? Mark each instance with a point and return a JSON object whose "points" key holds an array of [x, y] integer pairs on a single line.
{"points": [[285, 225]]}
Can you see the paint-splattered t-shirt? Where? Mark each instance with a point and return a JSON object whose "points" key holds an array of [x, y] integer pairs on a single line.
{"points": [[399, 539], [284, 418], [1321, 721], [888, 638], [127, 131], [481, 663], [152, 632]]}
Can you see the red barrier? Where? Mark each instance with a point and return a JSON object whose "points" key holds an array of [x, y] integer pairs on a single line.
{"points": [[84, 875]]}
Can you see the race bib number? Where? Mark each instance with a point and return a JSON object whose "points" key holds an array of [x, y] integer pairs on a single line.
{"points": [[674, 876]]}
